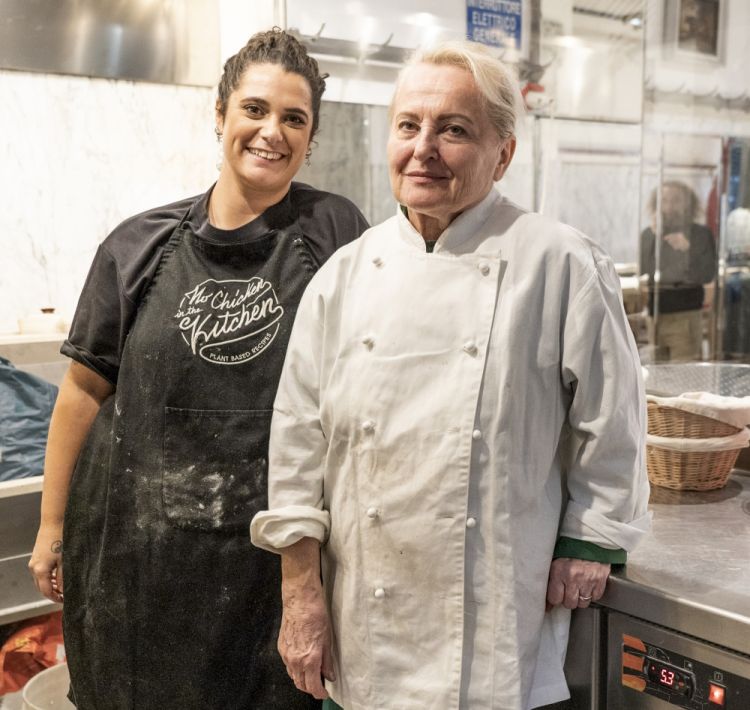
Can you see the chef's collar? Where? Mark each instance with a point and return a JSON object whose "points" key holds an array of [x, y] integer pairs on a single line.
{"points": [[457, 232], [275, 217]]}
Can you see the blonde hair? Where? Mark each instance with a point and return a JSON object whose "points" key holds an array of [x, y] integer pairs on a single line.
{"points": [[495, 81]]}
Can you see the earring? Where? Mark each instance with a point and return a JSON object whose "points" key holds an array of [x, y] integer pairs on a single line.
{"points": [[220, 156]]}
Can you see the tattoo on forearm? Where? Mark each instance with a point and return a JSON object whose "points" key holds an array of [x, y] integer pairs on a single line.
{"points": [[57, 546]]}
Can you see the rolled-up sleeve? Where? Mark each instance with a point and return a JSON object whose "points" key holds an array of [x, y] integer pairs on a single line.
{"points": [[606, 474], [298, 445]]}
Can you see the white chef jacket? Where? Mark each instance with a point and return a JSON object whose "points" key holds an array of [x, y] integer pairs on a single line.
{"points": [[441, 419]]}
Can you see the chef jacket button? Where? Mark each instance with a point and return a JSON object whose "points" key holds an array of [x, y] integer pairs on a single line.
{"points": [[377, 261], [471, 522], [372, 512], [484, 268], [368, 426], [470, 347], [368, 341], [476, 435], [379, 593]]}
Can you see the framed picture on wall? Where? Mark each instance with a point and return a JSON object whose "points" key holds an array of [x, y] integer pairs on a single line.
{"points": [[694, 29]]}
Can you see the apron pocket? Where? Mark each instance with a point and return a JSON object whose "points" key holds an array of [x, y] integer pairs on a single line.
{"points": [[215, 472]]}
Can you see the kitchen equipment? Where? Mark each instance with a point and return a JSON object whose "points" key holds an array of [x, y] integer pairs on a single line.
{"points": [[658, 666], [673, 628]]}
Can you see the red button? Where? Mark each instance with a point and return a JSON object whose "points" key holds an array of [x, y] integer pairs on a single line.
{"points": [[716, 694]]}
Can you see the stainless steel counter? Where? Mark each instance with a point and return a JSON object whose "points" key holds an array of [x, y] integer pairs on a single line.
{"points": [[681, 604], [692, 572]]}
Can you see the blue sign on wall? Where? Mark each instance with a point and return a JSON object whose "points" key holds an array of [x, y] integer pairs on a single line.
{"points": [[494, 22]]}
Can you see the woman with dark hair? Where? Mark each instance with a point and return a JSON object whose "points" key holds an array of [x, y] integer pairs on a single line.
{"points": [[685, 257], [157, 453]]}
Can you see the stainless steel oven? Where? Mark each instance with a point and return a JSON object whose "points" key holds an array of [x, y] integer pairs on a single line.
{"points": [[652, 667], [673, 628], [620, 662]]}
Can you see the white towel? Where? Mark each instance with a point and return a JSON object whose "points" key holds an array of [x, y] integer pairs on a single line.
{"points": [[730, 410], [740, 440]]}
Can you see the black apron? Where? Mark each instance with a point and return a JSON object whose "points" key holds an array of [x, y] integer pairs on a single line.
{"points": [[167, 603]]}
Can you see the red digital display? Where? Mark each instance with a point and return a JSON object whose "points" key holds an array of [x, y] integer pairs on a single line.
{"points": [[667, 677]]}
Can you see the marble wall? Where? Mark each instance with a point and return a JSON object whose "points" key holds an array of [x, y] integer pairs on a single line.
{"points": [[589, 177], [79, 155], [349, 157], [600, 198]]}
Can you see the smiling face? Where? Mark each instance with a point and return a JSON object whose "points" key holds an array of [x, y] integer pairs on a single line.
{"points": [[266, 130], [443, 151]]}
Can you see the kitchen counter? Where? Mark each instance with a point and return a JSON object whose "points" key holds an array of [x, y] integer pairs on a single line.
{"points": [[692, 572]]}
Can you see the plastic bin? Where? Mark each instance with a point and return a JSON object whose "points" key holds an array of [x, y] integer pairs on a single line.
{"points": [[48, 690]]}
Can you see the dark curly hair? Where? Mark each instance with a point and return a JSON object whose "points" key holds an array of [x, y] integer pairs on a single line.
{"points": [[273, 47], [690, 199]]}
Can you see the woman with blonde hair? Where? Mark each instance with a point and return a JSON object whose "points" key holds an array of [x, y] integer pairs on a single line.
{"points": [[459, 430]]}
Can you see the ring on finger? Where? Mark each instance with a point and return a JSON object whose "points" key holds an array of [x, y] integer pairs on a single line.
{"points": [[583, 598]]}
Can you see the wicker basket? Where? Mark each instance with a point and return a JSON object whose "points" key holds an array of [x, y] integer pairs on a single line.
{"points": [[688, 470]]}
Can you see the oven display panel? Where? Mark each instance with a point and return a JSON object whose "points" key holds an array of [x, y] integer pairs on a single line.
{"points": [[680, 680], [674, 679]]}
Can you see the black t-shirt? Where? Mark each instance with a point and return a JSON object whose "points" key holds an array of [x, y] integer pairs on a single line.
{"points": [[127, 259], [683, 273]]}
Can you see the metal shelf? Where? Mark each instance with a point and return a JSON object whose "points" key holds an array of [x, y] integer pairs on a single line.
{"points": [[19, 519], [19, 598], [23, 338], [21, 486]]}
